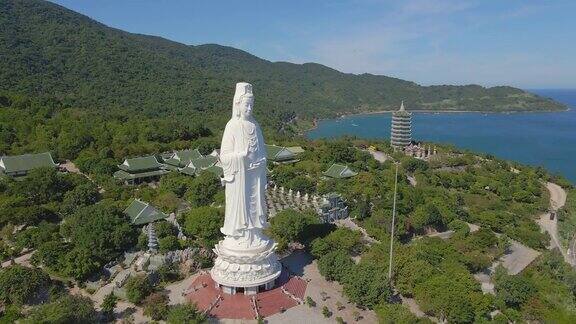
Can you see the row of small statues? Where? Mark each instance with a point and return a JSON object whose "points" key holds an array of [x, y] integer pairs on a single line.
{"points": [[279, 198]]}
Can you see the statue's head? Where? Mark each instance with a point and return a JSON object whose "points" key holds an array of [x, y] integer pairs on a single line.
{"points": [[243, 100]]}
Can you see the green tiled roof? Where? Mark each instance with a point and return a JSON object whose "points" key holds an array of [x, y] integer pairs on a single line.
{"points": [[295, 149], [172, 162], [207, 163], [141, 213], [181, 158], [123, 175], [189, 171], [140, 164], [279, 153], [26, 162], [339, 171], [170, 167], [203, 162]]}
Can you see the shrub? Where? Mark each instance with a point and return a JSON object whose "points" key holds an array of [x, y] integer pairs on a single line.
{"points": [[156, 306], [326, 312], [310, 302]]}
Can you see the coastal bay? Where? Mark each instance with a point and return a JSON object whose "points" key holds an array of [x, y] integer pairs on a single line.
{"points": [[545, 139]]}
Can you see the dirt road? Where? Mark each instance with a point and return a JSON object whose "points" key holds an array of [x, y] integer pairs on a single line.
{"points": [[557, 201]]}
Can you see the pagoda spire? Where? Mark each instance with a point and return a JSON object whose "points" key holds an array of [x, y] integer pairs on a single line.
{"points": [[401, 130], [152, 239]]}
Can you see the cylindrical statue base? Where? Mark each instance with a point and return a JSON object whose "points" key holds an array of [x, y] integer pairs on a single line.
{"points": [[245, 270]]}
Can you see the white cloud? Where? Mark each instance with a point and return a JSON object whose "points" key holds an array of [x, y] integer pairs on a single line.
{"points": [[409, 42]]}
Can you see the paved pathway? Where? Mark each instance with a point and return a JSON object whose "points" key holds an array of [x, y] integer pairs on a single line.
{"points": [[302, 264], [518, 258], [347, 222], [23, 260], [72, 168], [379, 156], [557, 201], [176, 290]]}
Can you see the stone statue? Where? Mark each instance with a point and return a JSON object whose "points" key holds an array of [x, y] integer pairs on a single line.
{"points": [[245, 257], [243, 158]]}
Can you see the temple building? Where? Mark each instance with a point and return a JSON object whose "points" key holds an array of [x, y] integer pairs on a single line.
{"points": [[20, 165], [339, 171], [140, 169], [142, 213], [280, 154], [401, 132]]}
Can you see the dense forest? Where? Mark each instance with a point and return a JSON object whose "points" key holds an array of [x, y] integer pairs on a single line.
{"points": [[52, 214], [48, 50]]}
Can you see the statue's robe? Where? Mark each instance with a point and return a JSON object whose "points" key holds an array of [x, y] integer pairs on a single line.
{"points": [[243, 158]]}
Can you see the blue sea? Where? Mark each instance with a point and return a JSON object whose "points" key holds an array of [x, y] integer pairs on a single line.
{"points": [[545, 139]]}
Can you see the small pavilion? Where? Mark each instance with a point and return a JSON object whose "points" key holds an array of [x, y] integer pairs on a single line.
{"points": [[281, 154], [142, 213], [339, 171]]}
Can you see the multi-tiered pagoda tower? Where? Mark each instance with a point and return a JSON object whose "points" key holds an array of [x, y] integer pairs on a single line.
{"points": [[401, 133]]}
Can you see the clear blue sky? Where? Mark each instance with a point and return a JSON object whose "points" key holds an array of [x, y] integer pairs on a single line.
{"points": [[528, 44]]}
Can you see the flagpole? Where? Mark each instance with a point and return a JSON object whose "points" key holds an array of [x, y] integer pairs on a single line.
{"points": [[393, 221]]}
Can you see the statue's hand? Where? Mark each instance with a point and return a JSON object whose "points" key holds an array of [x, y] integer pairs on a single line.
{"points": [[226, 179], [244, 154]]}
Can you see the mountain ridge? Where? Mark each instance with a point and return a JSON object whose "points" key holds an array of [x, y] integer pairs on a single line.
{"points": [[49, 50]]}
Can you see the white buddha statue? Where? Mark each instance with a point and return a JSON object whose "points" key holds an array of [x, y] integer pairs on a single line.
{"points": [[243, 158], [245, 257]]}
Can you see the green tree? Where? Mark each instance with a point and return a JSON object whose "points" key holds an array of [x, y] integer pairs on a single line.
{"points": [[367, 285], [79, 263], [203, 189], [326, 312], [50, 254], [67, 309], [168, 243], [341, 239], [98, 233], [513, 290], [138, 288], [32, 237], [176, 183], [165, 228], [204, 223], [184, 313], [169, 272], [156, 306], [83, 195], [412, 164], [42, 185], [396, 313], [20, 285], [288, 224], [108, 305], [335, 265]]}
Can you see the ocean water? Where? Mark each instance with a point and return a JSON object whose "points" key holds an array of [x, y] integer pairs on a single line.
{"points": [[545, 139]]}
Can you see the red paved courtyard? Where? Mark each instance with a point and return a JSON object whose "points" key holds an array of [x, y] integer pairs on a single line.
{"points": [[288, 293]]}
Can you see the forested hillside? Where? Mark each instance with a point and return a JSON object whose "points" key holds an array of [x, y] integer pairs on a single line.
{"points": [[47, 50]]}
